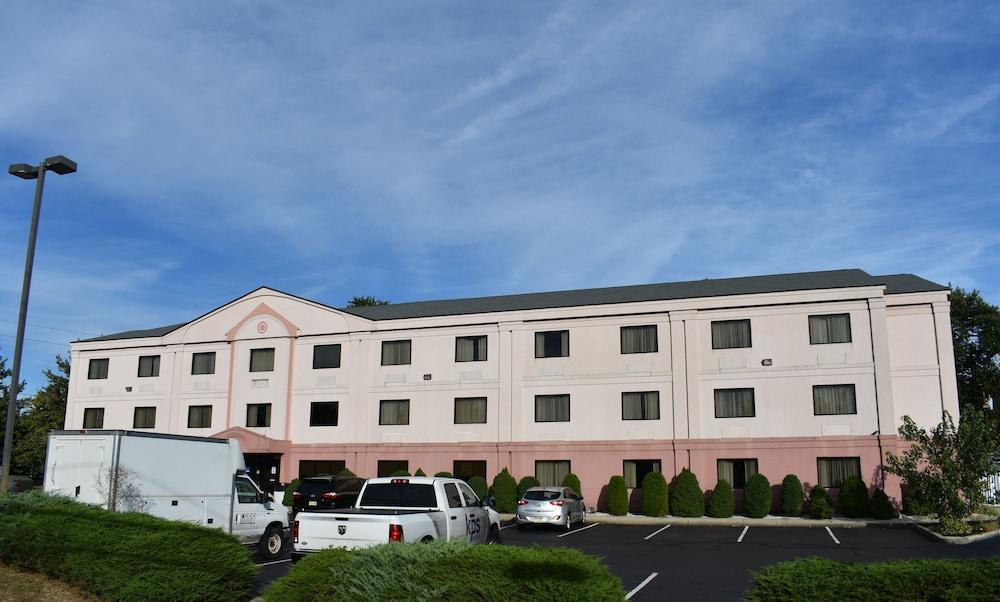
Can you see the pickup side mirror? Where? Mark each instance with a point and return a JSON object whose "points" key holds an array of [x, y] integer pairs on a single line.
{"points": [[488, 501]]}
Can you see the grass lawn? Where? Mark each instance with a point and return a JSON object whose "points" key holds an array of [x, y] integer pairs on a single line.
{"points": [[17, 586]]}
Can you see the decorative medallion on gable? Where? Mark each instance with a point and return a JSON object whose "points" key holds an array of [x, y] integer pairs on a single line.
{"points": [[262, 322]]}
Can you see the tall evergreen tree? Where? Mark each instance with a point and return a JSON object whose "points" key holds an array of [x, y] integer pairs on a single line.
{"points": [[975, 327], [44, 412], [365, 301]]}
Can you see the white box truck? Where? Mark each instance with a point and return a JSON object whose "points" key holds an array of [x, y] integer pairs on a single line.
{"points": [[198, 480]]}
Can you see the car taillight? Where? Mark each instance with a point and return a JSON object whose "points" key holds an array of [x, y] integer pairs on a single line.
{"points": [[296, 494], [330, 496], [395, 532], [522, 502], [295, 531], [557, 502]]}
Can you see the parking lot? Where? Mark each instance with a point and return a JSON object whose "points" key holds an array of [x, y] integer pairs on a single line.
{"points": [[714, 563]]}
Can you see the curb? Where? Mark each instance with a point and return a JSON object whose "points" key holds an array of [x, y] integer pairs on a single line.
{"points": [[953, 540], [742, 521]]}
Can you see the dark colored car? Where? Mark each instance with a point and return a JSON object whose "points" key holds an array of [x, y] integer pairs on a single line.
{"points": [[321, 492]]}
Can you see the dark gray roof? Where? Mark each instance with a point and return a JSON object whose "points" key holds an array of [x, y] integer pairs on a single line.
{"points": [[136, 334], [897, 284]]}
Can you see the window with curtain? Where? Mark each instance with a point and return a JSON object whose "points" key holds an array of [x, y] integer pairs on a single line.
{"points": [[638, 339], [831, 328], [258, 414], [466, 469], [326, 356], [97, 369], [315, 468], [93, 418], [551, 408], [395, 353], [550, 473], [734, 403], [731, 334], [144, 418], [324, 413], [737, 471], [385, 468], [636, 470], [203, 363], [394, 411], [470, 349], [834, 399], [262, 360], [641, 405], [832, 471], [199, 417], [470, 410], [149, 365], [554, 343]]}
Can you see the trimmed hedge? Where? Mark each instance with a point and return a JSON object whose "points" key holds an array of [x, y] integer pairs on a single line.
{"points": [[573, 482], [479, 485], [757, 498], [792, 496], [686, 496], [820, 505], [853, 497], [617, 496], [654, 495], [723, 502], [881, 507], [420, 473], [914, 504], [525, 484], [121, 556], [346, 473], [444, 474], [505, 492], [288, 498], [819, 579], [449, 571], [401, 473]]}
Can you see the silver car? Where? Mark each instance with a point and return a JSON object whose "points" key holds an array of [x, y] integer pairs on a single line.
{"points": [[559, 506]]}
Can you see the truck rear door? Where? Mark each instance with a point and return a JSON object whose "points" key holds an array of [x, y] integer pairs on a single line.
{"points": [[457, 515]]}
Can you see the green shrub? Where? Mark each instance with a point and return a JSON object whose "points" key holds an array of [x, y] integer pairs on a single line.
{"points": [[792, 496], [573, 482], [444, 474], [819, 580], [119, 556], [952, 526], [654, 495], [853, 497], [881, 507], [525, 484], [723, 503], [449, 571], [914, 503], [617, 496], [420, 473], [505, 492], [686, 496], [400, 473], [346, 473], [478, 485], [819, 503], [757, 499], [289, 496]]}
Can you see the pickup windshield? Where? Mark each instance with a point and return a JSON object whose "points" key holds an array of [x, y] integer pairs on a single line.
{"points": [[399, 495]]}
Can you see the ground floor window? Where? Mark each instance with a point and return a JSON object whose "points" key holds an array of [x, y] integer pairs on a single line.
{"points": [[636, 470], [387, 467], [312, 468], [551, 473], [466, 469], [737, 471], [93, 418], [831, 471]]}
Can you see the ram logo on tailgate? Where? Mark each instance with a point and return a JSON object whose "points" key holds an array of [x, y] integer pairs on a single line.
{"points": [[342, 529]]}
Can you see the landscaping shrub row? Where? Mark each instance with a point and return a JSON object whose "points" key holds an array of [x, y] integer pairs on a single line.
{"points": [[447, 571], [121, 556]]}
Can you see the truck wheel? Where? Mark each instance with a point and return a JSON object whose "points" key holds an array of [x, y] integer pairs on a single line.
{"points": [[271, 543], [494, 537]]}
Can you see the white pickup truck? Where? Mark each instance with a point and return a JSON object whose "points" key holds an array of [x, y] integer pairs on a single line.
{"points": [[413, 509]]}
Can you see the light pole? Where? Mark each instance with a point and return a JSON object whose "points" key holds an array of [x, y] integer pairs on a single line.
{"points": [[62, 166]]}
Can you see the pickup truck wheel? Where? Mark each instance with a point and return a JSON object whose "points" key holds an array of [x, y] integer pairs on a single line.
{"points": [[494, 537], [271, 543]]}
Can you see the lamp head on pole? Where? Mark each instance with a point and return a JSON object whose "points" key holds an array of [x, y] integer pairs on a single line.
{"points": [[23, 170], [60, 164]]}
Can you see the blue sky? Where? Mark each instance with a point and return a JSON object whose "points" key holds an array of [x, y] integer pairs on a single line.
{"points": [[445, 149]]}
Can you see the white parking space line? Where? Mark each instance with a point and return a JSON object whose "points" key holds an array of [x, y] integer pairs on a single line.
{"points": [[275, 562], [644, 583], [508, 526], [590, 526], [832, 536], [745, 529], [650, 536]]}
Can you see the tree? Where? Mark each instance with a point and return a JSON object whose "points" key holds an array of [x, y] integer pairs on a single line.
{"points": [[573, 482], [655, 501], [723, 502], [525, 484], [791, 496], [975, 328], [478, 484], [853, 497], [820, 505], [757, 499], [505, 492], [686, 496], [365, 301], [420, 473], [44, 412], [21, 405], [617, 496], [946, 466]]}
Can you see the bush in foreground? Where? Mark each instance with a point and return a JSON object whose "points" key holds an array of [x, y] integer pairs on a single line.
{"points": [[654, 495], [723, 502], [819, 579], [853, 497], [757, 496], [573, 482], [617, 496], [525, 484], [121, 556], [478, 485], [288, 498], [686, 496], [791, 496], [820, 505], [450, 571], [505, 492], [881, 507]]}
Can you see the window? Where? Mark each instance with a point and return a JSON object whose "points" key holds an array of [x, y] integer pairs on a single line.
{"points": [[258, 414], [551, 408], [93, 418], [471, 499], [203, 363], [550, 473], [552, 344], [262, 360], [832, 328], [323, 413], [466, 469], [326, 356], [734, 403], [831, 471], [644, 405], [394, 411], [834, 399], [149, 365], [737, 471], [387, 467], [246, 493], [470, 349], [97, 369], [199, 417], [731, 334], [470, 410], [639, 339], [636, 470], [144, 418], [314, 468], [395, 353], [454, 497]]}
